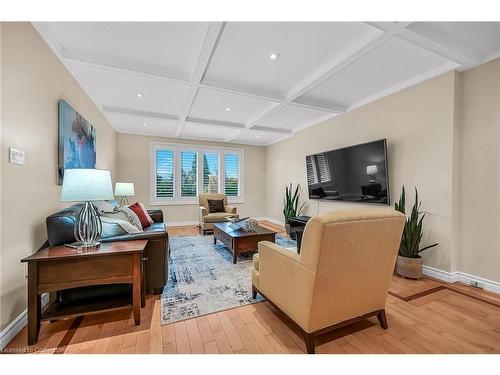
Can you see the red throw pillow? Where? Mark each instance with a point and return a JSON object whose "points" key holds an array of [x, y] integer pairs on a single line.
{"points": [[136, 207]]}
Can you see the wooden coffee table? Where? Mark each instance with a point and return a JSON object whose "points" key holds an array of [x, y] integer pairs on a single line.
{"points": [[240, 241]]}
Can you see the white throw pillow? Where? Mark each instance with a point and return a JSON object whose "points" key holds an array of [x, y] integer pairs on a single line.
{"points": [[109, 227], [126, 214]]}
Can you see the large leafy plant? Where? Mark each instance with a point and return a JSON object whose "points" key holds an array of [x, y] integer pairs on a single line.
{"points": [[412, 233], [291, 207]]}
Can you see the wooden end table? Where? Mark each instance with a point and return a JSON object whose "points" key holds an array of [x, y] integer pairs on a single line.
{"points": [[62, 267], [240, 241]]}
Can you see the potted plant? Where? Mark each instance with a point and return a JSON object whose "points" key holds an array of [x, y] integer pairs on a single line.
{"points": [[409, 263], [291, 207]]}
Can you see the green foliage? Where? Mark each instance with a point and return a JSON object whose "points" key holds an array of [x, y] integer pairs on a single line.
{"points": [[412, 232], [291, 203]]}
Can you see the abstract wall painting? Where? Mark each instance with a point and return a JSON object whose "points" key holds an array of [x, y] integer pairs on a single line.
{"points": [[77, 141]]}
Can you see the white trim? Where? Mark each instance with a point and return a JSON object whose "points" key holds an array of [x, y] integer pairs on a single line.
{"points": [[448, 277], [458, 276], [13, 329], [181, 223]]}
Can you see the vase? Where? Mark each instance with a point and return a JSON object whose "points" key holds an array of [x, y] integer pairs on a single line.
{"points": [[410, 268]]}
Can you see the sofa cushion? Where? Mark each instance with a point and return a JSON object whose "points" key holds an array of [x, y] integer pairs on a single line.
{"points": [[216, 217], [156, 227], [141, 214], [216, 205]]}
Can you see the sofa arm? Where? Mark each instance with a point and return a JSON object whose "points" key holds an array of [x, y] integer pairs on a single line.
{"points": [[286, 281], [230, 210], [156, 215]]}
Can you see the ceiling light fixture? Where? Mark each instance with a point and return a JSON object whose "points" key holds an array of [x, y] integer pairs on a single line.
{"points": [[274, 56], [145, 124], [257, 136], [139, 95], [227, 109]]}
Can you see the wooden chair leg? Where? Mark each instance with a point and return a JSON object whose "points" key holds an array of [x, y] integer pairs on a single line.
{"points": [[382, 318], [310, 340]]}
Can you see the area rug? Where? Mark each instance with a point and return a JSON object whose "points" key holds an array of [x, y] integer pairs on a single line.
{"points": [[203, 279]]}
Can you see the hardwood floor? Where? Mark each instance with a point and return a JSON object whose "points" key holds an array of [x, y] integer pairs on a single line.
{"points": [[424, 316]]}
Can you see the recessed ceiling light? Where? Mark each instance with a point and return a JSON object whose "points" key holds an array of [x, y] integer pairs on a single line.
{"points": [[274, 56], [145, 124], [257, 136], [139, 95], [227, 109]]}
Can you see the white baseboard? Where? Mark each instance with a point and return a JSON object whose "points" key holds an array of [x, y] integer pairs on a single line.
{"points": [[195, 222], [181, 223], [18, 324], [458, 276]]}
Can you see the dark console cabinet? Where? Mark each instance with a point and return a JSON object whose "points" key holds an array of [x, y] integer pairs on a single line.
{"points": [[297, 225]]}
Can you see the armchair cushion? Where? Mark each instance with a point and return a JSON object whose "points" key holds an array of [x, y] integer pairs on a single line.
{"points": [[231, 210], [216, 217], [216, 205]]}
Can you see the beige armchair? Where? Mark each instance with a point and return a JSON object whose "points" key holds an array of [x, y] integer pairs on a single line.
{"points": [[341, 275], [206, 219]]}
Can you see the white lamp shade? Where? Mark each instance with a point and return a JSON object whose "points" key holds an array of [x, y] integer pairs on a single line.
{"points": [[124, 189], [371, 169], [81, 185]]}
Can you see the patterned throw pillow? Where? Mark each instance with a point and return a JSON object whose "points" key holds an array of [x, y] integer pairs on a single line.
{"points": [[141, 213], [216, 205], [126, 214]]}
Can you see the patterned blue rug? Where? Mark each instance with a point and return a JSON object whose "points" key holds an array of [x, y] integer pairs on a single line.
{"points": [[203, 279]]}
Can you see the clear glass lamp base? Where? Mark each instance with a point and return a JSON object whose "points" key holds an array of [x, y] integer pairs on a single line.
{"points": [[88, 227]]}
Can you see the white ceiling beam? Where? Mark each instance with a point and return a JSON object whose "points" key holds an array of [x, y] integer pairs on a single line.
{"points": [[208, 122], [401, 30], [311, 104], [212, 37], [347, 57], [142, 114], [272, 130], [211, 86]]}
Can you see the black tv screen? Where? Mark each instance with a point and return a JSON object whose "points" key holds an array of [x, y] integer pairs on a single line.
{"points": [[353, 174]]}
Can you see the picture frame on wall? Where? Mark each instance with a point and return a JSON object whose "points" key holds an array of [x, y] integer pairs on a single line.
{"points": [[77, 140]]}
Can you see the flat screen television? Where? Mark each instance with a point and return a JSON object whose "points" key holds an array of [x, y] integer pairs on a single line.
{"points": [[350, 174]]}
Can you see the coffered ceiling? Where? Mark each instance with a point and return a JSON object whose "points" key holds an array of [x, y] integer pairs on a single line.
{"points": [[255, 82]]}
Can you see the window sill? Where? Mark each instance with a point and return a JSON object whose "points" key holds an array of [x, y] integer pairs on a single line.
{"points": [[188, 203]]}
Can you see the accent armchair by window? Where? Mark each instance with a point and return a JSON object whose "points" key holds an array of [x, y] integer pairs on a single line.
{"points": [[341, 275], [207, 219]]}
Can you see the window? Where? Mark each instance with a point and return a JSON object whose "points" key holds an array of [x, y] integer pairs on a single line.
{"points": [[211, 161], [317, 169], [324, 170], [232, 174], [164, 178], [180, 172], [189, 174], [312, 173]]}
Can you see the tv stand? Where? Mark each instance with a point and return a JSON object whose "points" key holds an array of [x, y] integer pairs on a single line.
{"points": [[297, 225]]}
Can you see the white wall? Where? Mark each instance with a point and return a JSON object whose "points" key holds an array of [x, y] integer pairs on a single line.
{"points": [[419, 126], [133, 160], [33, 80], [479, 178]]}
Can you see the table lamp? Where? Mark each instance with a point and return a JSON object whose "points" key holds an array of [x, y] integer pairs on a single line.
{"points": [[372, 170], [124, 190], [87, 185]]}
